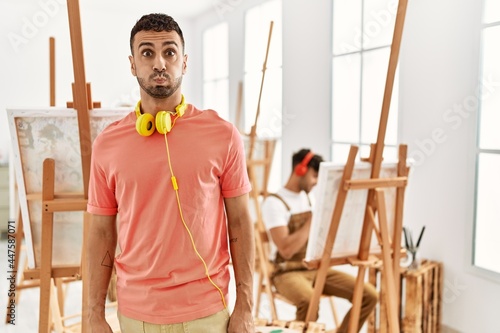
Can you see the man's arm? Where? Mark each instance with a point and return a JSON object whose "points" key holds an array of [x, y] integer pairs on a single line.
{"points": [[100, 256], [242, 246], [288, 244]]}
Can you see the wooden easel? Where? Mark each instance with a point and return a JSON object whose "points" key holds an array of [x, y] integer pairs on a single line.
{"points": [[32, 277], [22, 282], [253, 130], [269, 145], [239, 107], [262, 160], [375, 205], [53, 202], [260, 191]]}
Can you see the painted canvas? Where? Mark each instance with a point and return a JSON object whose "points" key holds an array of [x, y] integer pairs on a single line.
{"points": [[38, 134]]}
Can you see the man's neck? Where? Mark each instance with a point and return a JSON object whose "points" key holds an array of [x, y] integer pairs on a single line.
{"points": [[154, 105], [292, 185]]}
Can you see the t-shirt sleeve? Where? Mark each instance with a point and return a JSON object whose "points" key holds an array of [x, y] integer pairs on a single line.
{"points": [[274, 213], [234, 179], [101, 195]]}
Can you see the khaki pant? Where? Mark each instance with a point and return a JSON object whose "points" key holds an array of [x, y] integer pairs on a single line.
{"points": [[297, 286], [216, 323]]}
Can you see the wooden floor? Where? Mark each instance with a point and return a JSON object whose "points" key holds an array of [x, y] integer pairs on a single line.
{"points": [[26, 312]]}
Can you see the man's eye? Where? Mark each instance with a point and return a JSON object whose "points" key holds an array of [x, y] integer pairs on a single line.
{"points": [[147, 53], [170, 53]]}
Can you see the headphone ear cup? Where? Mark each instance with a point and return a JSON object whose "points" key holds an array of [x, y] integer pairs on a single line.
{"points": [[302, 167], [163, 122], [300, 170], [145, 124]]}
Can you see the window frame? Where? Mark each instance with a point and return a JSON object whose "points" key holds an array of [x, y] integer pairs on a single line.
{"points": [[478, 152], [224, 112], [363, 145]]}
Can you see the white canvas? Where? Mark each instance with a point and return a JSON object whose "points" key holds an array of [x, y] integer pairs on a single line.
{"points": [[351, 223]]}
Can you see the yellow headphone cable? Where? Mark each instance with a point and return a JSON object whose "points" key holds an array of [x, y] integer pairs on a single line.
{"points": [[176, 189]]}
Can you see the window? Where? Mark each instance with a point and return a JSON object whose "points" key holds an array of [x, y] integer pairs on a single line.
{"points": [[257, 24], [487, 208], [215, 69], [362, 36]]}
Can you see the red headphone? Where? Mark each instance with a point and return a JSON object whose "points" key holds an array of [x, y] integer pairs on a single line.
{"points": [[301, 168]]}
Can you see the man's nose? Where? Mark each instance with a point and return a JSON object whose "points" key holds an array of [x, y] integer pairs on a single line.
{"points": [[159, 64]]}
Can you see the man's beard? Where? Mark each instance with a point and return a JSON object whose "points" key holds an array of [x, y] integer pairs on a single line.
{"points": [[160, 91]]}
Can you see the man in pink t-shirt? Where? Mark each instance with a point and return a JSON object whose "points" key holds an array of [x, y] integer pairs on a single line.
{"points": [[178, 182]]}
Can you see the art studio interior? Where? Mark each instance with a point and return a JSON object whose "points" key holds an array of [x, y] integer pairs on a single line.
{"points": [[413, 84]]}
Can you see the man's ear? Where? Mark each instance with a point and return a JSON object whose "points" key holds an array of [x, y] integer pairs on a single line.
{"points": [[132, 65], [184, 64]]}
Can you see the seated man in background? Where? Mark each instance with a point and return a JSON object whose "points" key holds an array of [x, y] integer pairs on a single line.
{"points": [[287, 216]]}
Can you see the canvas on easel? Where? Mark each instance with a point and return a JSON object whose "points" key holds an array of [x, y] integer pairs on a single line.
{"points": [[43, 133], [325, 192]]}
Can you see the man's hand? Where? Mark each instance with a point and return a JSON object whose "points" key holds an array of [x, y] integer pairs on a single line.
{"points": [[98, 324], [241, 322]]}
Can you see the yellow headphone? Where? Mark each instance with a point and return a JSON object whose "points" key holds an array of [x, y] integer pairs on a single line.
{"points": [[163, 123]]}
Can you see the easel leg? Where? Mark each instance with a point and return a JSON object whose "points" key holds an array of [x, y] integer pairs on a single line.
{"points": [[398, 220], [388, 274], [58, 282], [83, 269], [55, 306], [45, 296], [319, 284], [46, 255], [259, 292], [356, 301], [334, 311]]}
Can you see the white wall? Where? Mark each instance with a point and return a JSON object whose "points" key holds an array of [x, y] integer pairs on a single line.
{"points": [[307, 67], [439, 73], [439, 69]]}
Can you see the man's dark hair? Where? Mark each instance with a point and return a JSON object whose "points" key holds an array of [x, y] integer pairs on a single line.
{"points": [[155, 22], [299, 157]]}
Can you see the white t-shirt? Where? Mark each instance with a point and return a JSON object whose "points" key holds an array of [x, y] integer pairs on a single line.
{"points": [[275, 213]]}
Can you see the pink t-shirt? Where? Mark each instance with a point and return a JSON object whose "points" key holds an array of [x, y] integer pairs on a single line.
{"points": [[160, 278]]}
